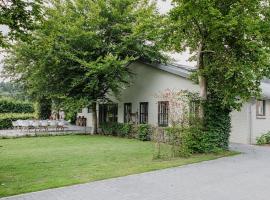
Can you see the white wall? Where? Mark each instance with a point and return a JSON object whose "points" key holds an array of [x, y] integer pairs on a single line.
{"points": [[260, 125], [240, 131], [147, 83], [247, 126], [88, 116]]}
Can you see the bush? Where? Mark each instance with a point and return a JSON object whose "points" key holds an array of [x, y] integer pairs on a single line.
{"points": [[144, 132], [12, 106], [124, 130], [179, 141], [108, 128], [217, 126], [264, 139], [7, 118], [116, 129]]}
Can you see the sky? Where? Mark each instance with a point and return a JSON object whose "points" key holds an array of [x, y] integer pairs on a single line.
{"points": [[164, 6]]}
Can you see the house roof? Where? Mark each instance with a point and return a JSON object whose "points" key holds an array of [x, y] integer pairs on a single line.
{"points": [[185, 71], [177, 69]]}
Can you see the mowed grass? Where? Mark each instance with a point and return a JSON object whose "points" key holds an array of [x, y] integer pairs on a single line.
{"points": [[32, 164]]}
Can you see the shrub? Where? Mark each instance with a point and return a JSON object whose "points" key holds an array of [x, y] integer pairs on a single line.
{"points": [[7, 118], [124, 130], [107, 128], [144, 132], [12, 106], [178, 138], [264, 139], [217, 126], [116, 129]]}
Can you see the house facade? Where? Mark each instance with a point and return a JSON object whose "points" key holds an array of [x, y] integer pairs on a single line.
{"points": [[139, 102]]}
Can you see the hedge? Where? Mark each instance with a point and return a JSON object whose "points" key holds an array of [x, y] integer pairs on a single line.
{"points": [[7, 118], [13, 106]]}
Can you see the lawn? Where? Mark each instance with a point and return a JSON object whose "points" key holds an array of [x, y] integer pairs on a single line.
{"points": [[32, 164]]}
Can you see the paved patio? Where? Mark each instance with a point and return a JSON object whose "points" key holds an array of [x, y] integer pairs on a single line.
{"points": [[70, 129], [242, 177]]}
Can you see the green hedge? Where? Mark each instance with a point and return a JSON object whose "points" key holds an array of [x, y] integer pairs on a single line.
{"points": [[7, 118], [13, 106], [141, 132]]}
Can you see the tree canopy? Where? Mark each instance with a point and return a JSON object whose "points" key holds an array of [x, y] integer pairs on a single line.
{"points": [[19, 17], [81, 48], [231, 41]]}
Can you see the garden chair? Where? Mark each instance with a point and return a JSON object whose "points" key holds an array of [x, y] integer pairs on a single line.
{"points": [[36, 125], [44, 124], [61, 125], [25, 125], [53, 124], [15, 124]]}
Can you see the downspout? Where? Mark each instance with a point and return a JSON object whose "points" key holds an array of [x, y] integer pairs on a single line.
{"points": [[250, 123]]}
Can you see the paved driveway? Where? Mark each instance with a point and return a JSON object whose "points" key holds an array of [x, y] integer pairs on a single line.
{"points": [[242, 177]]}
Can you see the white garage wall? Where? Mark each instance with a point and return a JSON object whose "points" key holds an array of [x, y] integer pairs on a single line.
{"points": [[260, 125], [240, 131]]}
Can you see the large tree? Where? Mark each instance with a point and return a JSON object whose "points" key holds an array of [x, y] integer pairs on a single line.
{"points": [[82, 48], [230, 39], [18, 16]]}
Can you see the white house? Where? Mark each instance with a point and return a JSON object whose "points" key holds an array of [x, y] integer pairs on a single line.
{"points": [[140, 99]]}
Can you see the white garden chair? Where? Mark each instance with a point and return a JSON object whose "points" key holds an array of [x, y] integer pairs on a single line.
{"points": [[61, 125], [44, 124], [53, 124], [25, 124], [15, 124], [36, 125]]}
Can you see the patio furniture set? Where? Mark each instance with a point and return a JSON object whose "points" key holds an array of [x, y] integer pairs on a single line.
{"points": [[40, 125]]}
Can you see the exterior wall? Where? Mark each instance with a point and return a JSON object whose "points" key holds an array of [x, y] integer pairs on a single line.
{"points": [[147, 83], [88, 116], [247, 126], [260, 125], [240, 131]]}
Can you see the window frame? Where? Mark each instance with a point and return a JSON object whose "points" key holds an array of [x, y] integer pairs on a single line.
{"points": [[163, 113], [144, 115], [258, 114], [127, 108], [106, 112]]}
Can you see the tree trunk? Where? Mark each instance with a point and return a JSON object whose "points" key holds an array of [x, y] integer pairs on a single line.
{"points": [[94, 119], [202, 79]]}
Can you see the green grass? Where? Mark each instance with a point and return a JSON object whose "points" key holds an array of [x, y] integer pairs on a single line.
{"points": [[32, 164]]}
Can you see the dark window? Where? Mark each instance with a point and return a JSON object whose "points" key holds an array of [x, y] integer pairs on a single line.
{"points": [[163, 113], [108, 113], [260, 108], [127, 112], [143, 112]]}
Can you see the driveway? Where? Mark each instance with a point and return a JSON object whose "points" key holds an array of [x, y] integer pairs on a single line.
{"points": [[242, 177]]}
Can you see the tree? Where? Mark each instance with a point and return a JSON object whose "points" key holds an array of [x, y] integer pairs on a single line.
{"points": [[230, 41], [82, 48], [18, 16]]}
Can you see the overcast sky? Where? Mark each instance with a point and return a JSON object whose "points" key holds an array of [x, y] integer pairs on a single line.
{"points": [[164, 6]]}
